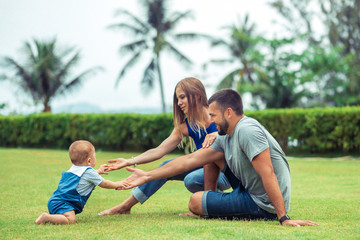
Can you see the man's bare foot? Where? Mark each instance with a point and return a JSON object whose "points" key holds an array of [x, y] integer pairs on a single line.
{"points": [[188, 214], [114, 211], [43, 218]]}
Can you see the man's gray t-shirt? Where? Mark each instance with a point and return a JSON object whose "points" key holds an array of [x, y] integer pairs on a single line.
{"points": [[250, 138]]}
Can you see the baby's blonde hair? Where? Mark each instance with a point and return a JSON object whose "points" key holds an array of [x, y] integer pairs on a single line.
{"points": [[80, 151]]}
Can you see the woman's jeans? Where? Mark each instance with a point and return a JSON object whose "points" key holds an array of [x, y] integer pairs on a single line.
{"points": [[193, 180]]}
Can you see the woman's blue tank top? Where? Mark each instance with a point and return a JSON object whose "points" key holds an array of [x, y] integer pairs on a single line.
{"points": [[199, 138]]}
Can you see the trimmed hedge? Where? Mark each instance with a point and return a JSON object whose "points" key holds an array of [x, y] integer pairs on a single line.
{"points": [[308, 130], [105, 131], [315, 130]]}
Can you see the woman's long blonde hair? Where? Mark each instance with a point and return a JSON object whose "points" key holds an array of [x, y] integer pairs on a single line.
{"points": [[197, 100]]}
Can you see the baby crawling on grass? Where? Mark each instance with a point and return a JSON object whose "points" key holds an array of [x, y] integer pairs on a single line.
{"points": [[76, 185]]}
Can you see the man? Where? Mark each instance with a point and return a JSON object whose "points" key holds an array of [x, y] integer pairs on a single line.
{"points": [[251, 159]]}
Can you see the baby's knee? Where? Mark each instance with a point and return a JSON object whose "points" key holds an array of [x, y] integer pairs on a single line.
{"points": [[71, 220], [70, 216]]}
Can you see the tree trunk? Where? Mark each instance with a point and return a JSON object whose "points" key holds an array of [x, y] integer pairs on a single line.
{"points": [[47, 107], [160, 83]]}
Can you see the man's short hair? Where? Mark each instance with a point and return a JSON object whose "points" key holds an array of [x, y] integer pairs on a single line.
{"points": [[80, 151], [228, 98]]}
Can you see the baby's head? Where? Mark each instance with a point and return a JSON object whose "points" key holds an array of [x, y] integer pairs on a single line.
{"points": [[82, 153]]}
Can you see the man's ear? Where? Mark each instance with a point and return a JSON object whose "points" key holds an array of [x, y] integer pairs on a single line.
{"points": [[229, 112]]}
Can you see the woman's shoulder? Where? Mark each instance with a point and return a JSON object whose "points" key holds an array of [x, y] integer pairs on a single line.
{"points": [[184, 128]]}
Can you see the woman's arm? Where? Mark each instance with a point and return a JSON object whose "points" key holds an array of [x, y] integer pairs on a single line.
{"points": [[173, 168], [153, 154]]}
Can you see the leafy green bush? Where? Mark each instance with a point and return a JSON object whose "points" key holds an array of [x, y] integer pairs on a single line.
{"points": [[106, 131], [315, 130], [308, 130]]}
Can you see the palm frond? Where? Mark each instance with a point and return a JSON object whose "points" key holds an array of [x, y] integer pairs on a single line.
{"points": [[61, 89], [133, 60], [133, 47], [148, 79], [132, 29], [176, 17], [229, 80], [138, 21], [219, 42], [20, 71], [221, 61], [65, 69], [181, 57], [29, 52], [194, 36]]}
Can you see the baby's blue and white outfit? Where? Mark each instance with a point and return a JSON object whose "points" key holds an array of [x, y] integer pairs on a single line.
{"points": [[75, 187]]}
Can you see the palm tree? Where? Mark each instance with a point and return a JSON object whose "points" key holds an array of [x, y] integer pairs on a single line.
{"points": [[153, 32], [261, 75], [280, 86], [45, 74], [242, 49]]}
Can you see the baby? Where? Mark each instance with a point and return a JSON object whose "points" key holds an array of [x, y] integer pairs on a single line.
{"points": [[76, 185]]}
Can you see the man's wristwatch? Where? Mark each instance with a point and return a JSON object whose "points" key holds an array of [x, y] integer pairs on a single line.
{"points": [[284, 218]]}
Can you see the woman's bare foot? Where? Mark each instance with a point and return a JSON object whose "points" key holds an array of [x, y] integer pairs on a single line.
{"points": [[43, 218], [123, 208], [188, 214], [115, 210]]}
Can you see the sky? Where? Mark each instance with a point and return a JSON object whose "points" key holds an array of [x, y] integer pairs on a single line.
{"points": [[83, 24]]}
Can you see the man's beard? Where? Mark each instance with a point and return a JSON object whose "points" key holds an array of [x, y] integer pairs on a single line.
{"points": [[223, 127]]}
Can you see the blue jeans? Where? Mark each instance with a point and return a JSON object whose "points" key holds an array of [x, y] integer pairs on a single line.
{"points": [[237, 204], [193, 181]]}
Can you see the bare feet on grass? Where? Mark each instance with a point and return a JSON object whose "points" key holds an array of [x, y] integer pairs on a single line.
{"points": [[43, 218], [123, 208], [114, 211], [188, 214]]}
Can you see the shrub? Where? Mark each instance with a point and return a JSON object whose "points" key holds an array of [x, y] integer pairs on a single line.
{"points": [[308, 130]]}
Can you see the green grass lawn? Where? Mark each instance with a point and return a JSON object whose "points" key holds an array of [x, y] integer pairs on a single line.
{"points": [[324, 191]]}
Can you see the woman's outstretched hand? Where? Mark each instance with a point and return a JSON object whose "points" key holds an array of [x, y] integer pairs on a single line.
{"points": [[118, 164], [139, 177]]}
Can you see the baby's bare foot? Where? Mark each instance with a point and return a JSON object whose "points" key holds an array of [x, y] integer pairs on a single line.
{"points": [[43, 218]]}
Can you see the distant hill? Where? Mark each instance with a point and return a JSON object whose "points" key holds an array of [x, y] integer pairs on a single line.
{"points": [[91, 108]]}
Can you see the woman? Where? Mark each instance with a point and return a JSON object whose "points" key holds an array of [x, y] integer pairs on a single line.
{"points": [[191, 118]]}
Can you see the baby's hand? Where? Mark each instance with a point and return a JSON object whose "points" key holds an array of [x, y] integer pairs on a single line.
{"points": [[103, 169], [121, 185]]}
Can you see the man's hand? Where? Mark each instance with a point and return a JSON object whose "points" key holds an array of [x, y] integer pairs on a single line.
{"points": [[298, 223], [139, 177], [209, 139], [118, 164]]}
